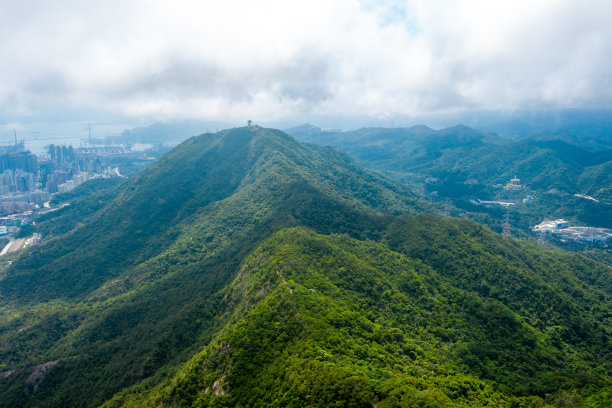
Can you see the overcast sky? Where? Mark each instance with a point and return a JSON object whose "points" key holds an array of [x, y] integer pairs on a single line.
{"points": [[227, 59]]}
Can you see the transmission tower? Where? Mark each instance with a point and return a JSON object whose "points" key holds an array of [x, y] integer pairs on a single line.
{"points": [[541, 238], [506, 229]]}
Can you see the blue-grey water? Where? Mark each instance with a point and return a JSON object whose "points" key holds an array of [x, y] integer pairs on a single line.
{"points": [[37, 136]]}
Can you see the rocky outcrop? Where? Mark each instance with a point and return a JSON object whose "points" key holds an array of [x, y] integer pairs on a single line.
{"points": [[37, 375]]}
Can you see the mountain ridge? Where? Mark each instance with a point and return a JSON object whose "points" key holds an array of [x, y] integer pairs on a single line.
{"points": [[200, 265], [461, 164], [105, 289]]}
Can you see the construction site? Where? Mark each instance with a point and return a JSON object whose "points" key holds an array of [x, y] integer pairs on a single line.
{"points": [[561, 229]]}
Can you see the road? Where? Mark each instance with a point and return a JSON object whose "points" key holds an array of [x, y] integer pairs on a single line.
{"points": [[14, 245]]}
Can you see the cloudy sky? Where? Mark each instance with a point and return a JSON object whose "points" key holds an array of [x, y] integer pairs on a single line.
{"points": [[230, 59]]}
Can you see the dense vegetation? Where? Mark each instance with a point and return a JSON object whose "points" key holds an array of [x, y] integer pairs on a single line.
{"points": [[176, 232], [460, 163], [245, 269], [332, 321]]}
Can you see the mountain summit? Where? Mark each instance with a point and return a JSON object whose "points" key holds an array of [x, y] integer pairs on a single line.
{"points": [[237, 179], [245, 268]]}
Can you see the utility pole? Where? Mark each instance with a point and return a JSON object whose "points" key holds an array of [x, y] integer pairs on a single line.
{"points": [[446, 208]]}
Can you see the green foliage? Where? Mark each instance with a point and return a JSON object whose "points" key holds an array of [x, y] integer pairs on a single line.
{"points": [[203, 281], [25, 231], [331, 321], [126, 278], [468, 164]]}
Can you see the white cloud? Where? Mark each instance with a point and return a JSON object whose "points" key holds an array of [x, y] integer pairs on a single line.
{"points": [[230, 59]]}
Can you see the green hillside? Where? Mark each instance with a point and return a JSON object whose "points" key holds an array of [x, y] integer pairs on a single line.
{"points": [[320, 320], [127, 288], [460, 163], [245, 268], [543, 162], [204, 179]]}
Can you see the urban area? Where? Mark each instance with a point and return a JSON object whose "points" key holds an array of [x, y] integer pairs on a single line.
{"points": [[28, 182]]}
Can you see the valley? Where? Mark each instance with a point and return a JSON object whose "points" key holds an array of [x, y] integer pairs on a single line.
{"points": [[488, 178]]}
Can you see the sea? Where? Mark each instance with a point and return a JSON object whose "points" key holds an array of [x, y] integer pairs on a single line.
{"points": [[38, 136]]}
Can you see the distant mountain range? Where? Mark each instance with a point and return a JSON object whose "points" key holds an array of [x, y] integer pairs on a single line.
{"points": [[247, 269], [169, 132], [467, 163]]}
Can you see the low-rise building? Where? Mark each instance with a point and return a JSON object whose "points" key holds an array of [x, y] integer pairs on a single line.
{"points": [[514, 184], [551, 225]]}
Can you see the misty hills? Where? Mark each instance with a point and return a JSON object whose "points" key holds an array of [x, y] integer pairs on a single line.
{"points": [[168, 132], [247, 268]]}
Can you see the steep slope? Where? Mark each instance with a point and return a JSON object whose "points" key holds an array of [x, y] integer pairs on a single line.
{"points": [[128, 290], [332, 321]]}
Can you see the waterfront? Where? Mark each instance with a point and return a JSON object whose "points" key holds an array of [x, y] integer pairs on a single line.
{"points": [[37, 136]]}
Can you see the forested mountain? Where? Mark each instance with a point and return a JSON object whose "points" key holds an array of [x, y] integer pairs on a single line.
{"points": [[555, 160], [245, 268], [463, 163], [125, 284], [332, 321]]}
